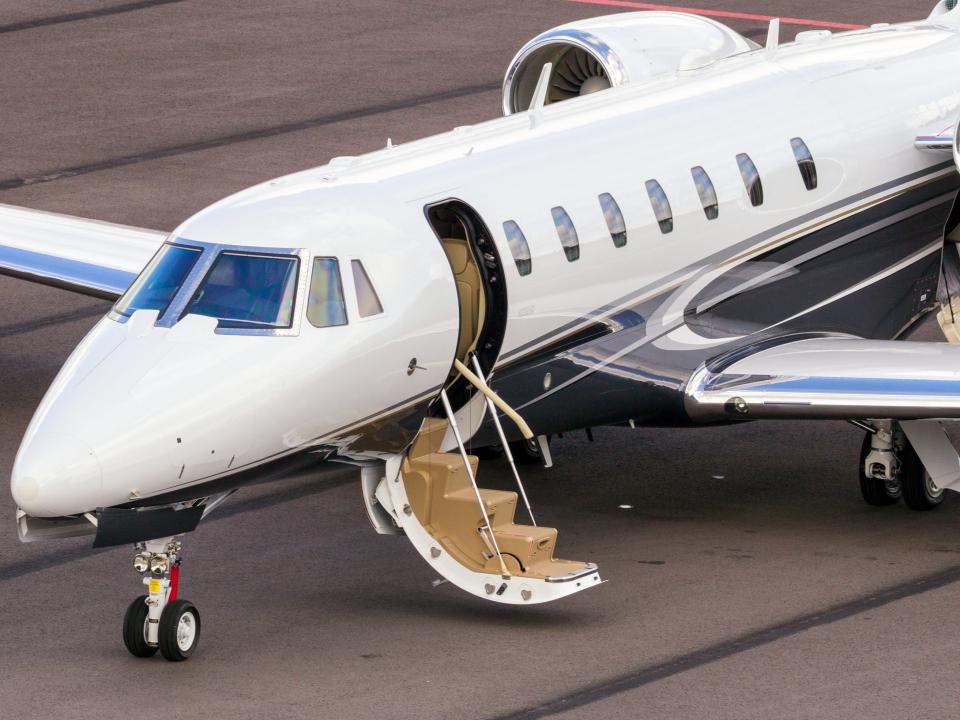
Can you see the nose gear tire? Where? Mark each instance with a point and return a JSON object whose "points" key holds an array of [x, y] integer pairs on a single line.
{"points": [[135, 629], [179, 630]]}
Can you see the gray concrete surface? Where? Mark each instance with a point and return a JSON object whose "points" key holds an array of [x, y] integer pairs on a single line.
{"points": [[748, 580]]}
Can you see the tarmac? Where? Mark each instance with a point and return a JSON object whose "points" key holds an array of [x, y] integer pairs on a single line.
{"points": [[745, 576]]}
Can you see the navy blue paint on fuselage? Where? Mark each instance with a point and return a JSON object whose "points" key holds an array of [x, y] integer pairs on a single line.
{"points": [[645, 384]]}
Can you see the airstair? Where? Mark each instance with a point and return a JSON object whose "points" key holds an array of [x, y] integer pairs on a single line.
{"points": [[467, 533]]}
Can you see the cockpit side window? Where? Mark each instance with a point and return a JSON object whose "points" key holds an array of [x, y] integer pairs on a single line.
{"points": [[159, 281], [367, 301], [325, 306], [250, 291]]}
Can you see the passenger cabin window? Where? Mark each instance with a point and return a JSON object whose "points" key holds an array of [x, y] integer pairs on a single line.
{"points": [[367, 301], [518, 247], [808, 168], [706, 191], [159, 281], [244, 290], [751, 179], [614, 218], [325, 306], [661, 206], [567, 233]]}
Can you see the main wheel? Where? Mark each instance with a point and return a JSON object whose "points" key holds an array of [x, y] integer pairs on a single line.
{"points": [[135, 629], [919, 490], [179, 630], [874, 490]]}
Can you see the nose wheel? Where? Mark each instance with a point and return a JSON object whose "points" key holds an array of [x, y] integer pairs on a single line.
{"points": [[135, 629], [179, 630], [160, 620]]}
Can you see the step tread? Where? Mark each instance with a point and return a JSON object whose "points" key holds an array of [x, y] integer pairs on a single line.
{"points": [[436, 460], [533, 533], [490, 497], [429, 439], [555, 567]]}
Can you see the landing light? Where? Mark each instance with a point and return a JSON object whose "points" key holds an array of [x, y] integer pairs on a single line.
{"points": [[158, 564], [141, 563]]}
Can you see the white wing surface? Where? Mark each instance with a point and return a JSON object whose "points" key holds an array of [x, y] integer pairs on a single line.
{"points": [[86, 256]]}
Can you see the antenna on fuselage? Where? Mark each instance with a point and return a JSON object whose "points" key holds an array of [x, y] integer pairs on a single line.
{"points": [[773, 36]]}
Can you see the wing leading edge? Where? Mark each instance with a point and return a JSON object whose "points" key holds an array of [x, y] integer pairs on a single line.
{"points": [[85, 256], [829, 377]]}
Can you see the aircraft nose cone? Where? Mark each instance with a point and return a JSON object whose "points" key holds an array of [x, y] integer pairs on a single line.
{"points": [[55, 474]]}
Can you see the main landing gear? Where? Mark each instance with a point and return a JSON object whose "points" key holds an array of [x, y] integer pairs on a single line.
{"points": [[890, 469], [160, 620]]}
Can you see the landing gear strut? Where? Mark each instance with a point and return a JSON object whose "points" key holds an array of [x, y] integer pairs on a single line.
{"points": [[890, 469], [879, 469], [160, 620]]}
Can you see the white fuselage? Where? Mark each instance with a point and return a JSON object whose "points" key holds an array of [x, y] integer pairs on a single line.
{"points": [[140, 411]]}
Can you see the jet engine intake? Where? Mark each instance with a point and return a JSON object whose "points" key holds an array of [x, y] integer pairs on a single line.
{"points": [[612, 50]]}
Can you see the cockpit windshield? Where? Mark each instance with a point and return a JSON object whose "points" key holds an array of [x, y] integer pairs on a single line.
{"points": [[245, 290], [159, 281]]}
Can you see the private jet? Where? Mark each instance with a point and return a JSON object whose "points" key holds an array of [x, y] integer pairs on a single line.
{"points": [[670, 225]]}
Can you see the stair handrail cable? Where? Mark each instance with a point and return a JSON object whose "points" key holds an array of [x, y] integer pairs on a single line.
{"points": [[503, 439], [473, 480]]}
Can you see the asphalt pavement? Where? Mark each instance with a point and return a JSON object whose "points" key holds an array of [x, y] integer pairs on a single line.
{"points": [[746, 577]]}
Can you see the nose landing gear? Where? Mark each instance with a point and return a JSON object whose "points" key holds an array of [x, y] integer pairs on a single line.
{"points": [[160, 620]]}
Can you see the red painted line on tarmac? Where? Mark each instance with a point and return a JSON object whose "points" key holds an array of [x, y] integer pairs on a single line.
{"points": [[722, 14]]}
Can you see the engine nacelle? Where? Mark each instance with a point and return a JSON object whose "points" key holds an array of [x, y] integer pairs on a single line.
{"points": [[611, 50], [944, 8]]}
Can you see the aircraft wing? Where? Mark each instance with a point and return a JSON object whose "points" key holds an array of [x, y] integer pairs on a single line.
{"points": [[943, 141], [86, 256], [821, 377]]}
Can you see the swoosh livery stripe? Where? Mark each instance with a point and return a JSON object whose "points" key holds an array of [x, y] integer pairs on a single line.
{"points": [[752, 246]]}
